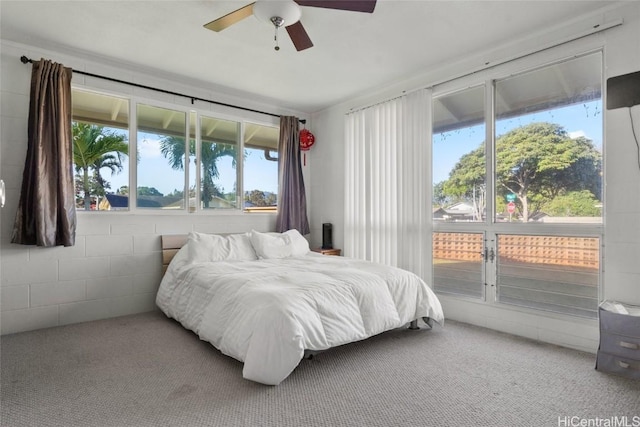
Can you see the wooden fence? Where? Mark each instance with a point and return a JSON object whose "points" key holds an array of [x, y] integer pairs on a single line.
{"points": [[555, 250]]}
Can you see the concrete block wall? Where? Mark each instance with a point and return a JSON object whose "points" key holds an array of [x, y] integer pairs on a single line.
{"points": [[111, 271]]}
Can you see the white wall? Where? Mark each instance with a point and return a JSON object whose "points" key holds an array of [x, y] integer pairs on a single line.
{"points": [[621, 279], [327, 182], [114, 268]]}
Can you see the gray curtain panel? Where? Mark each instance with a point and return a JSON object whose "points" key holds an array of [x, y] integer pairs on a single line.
{"points": [[292, 200], [46, 214]]}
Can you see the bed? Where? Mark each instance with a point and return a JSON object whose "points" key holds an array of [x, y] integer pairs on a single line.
{"points": [[267, 301]]}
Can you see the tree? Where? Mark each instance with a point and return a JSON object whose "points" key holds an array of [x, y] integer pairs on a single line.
{"points": [[149, 191], [468, 181], [536, 162], [582, 174], [176, 193], [95, 148], [573, 203], [260, 198], [271, 199], [106, 161], [468, 173], [439, 197], [81, 185], [173, 148], [540, 159]]}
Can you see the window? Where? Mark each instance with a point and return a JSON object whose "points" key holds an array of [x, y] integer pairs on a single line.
{"points": [[549, 144], [219, 142], [517, 205], [549, 272], [184, 160], [261, 168], [161, 145], [100, 130], [459, 173]]}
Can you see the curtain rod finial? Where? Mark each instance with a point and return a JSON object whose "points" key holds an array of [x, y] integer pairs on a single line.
{"points": [[25, 60]]}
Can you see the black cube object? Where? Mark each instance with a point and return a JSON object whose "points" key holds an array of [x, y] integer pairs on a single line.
{"points": [[327, 238], [623, 91]]}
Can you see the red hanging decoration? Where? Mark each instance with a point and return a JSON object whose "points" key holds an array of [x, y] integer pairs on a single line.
{"points": [[306, 142]]}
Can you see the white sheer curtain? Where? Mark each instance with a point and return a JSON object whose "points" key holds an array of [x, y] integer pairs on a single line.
{"points": [[386, 173]]}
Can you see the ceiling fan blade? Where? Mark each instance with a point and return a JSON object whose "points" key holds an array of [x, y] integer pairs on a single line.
{"points": [[230, 18], [299, 36], [353, 5]]}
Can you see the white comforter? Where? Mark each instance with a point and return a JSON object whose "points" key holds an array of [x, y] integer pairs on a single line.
{"points": [[266, 313]]}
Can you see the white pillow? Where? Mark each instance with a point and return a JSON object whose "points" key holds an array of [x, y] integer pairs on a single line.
{"points": [[213, 247], [269, 245], [240, 247], [300, 245], [207, 247]]}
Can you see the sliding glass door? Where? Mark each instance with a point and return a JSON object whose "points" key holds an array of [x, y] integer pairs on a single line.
{"points": [[517, 175], [552, 273], [458, 264], [459, 193]]}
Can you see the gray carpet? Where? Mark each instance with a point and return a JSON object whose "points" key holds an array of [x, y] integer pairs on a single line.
{"points": [[146, 370]]}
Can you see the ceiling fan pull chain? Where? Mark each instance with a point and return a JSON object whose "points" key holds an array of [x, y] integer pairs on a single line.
{"points": [[277, 22]]}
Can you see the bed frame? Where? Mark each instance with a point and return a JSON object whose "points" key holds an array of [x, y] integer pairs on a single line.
{"points": [[171, 244]]}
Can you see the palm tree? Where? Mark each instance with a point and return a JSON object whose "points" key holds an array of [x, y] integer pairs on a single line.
{"points": [[96, 148], [173, 148], [111, 161]]}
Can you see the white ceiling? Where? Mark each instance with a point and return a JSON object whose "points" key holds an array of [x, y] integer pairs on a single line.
{"points": [[353, 52]]}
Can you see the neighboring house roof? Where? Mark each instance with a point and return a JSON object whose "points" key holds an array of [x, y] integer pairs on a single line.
{"points": [[119, 201], [456, 212], [439, 212], [122, 201], [460, 207], [215, 202]]}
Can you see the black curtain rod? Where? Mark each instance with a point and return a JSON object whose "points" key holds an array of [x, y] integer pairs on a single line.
{"points": [[26, 60]]}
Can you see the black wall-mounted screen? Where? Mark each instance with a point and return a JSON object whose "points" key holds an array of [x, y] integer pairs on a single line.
{"points": [[623, 91]]}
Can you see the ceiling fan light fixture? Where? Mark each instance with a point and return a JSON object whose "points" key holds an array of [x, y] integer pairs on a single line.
{"points": [[287, 11], [277, 21]]}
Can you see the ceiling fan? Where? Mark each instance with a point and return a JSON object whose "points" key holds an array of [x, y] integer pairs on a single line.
{"points": [[286, 13]]}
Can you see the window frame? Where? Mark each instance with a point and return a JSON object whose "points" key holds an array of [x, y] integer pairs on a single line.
{"points": [[133, 102], [487, 79], [493, 228]]}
